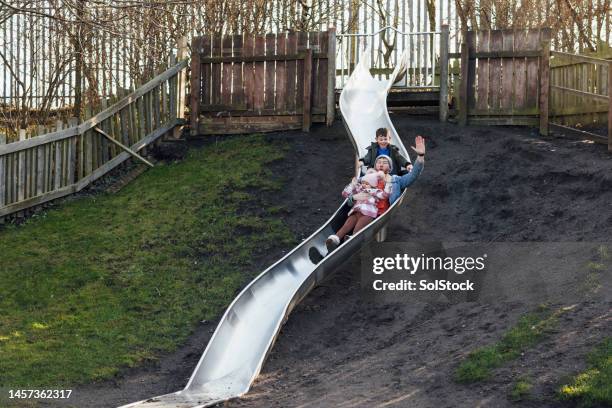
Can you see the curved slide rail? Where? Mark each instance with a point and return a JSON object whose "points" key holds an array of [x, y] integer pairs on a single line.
{"points": [[245, 334]]}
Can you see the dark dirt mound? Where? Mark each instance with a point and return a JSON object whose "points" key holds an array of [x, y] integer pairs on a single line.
{"points": [[480, 184]]}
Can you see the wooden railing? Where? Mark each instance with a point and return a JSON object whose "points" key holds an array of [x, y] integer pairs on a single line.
{"points": [[581, 94], [43, 168]]}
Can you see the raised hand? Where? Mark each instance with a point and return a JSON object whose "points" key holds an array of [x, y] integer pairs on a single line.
{"points": [[419, 147]]}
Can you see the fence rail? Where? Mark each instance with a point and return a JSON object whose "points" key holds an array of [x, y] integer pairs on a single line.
{"points": [[56, 164]]}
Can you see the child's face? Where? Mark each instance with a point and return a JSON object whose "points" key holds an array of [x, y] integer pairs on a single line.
{"points": [[382, 165], [365, 184], [383, 140]]}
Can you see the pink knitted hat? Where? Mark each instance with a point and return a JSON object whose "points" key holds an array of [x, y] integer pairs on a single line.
{"points": [[371, 179]]}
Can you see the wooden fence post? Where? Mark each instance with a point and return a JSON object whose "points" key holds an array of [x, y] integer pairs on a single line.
{"points": [[2, 176], [195, 84], [306, 109], [181, 85], [444, 73], [610, 106], [463, 91], [331, 77], [544, 87]]}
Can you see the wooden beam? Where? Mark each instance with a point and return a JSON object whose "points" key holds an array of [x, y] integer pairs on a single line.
{"points": [[463, 87], [510, 121], [124, 147], [505, 54], [2, 174], [580, 133], [37, 200], [580, 58], [444, 36], [307, 83], [581, 93], [331, 77], [194, 102], [544, 87], [180, 91], [610, 106], [259, 58]]}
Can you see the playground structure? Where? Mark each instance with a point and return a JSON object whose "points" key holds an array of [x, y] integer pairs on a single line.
{"points": [[246, 333], [40, 169]]}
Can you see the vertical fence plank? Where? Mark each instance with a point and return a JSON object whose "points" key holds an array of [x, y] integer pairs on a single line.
{"points": [[258, 96], [533, 44], [281, 74], [314, 43], [544, 86], [299, 93], [21, 185], [172, 101], [2, 175], [444, 44], [11, 178], [609, 86], [30, 170], [463, 90], [123, 120], [507, 67], [238, 85], [495, 70], [156, 106], [104, 143], [226, 87], [58, 159], [270, 69], [482, 70], [331, 77], [520, 73], [163, 118], [148, 112], [133, 125], [248, 71], [215, 84], [196, 91], [307, 91], [291, 47], [206, 48], [72, 148], [140, 103], [471, 94]]}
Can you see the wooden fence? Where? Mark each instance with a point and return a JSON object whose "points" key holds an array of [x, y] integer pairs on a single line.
{"points": [[43, 168], [245, 83], [507, 78], [581, 95]]}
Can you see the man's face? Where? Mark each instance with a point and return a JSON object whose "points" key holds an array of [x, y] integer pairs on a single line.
{"points": [[383, 140], [382, 165]]}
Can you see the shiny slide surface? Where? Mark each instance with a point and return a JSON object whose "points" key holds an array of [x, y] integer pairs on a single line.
{"points": [[246, 333]]}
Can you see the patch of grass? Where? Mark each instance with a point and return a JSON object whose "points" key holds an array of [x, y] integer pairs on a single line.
{"points": [[530, 329], [521, 390], [111, 281], [593, 386]]}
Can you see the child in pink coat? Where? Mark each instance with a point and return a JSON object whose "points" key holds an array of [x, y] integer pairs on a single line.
{"points": [[364, 209]]}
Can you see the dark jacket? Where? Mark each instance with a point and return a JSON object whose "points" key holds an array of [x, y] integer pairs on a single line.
{"points": [[399, 161]]}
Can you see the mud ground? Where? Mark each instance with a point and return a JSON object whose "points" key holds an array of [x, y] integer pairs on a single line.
{"points": [[480, 184]]}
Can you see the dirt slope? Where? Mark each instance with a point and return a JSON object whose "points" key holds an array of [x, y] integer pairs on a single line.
{"points": [[480, 184]]}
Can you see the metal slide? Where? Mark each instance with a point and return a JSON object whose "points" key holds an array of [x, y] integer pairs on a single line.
{"points": [[237, 350]]}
